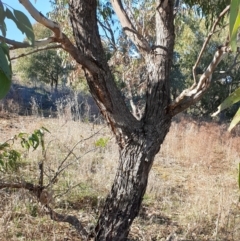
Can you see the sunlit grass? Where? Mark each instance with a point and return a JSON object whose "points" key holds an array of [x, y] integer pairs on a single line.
{"points": [[192, 190]]}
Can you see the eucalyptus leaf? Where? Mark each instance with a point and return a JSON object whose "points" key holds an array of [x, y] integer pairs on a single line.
{"points": [[2, 17], [229, 101], [5, 71], [10, 15], [5, 64], [45, 129], [24, 25], [235, 120], [5, 85], [22, 22], [34, 141], [3, 29], [233, 14], [4, 146], [5, 49], [234, 22]]}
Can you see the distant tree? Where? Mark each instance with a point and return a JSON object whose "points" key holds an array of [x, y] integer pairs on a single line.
{"points": [[46, 66], [139, 137]]}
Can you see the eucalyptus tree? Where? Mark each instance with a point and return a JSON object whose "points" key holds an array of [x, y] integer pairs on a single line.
{"points": [[139, 137]]}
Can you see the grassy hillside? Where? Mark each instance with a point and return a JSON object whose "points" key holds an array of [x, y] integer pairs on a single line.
{"points": [[192, 192]]}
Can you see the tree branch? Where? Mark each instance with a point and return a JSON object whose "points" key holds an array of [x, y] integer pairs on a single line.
{"points": [[26, 185], [206, 42], [191, 95], [140, 42], [111, 39], [37, 50], [39, 17], [60, 37], [73, 220], [17, 45], [38, 191], [70, 152]]}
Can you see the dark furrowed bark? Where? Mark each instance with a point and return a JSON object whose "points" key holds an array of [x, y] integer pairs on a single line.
{"points": [[159, 63], [139, 141], [101, 82], [124, 201]]}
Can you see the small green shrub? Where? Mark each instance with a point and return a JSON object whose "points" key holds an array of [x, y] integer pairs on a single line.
{"points": [[11, 159], [101, 142]]}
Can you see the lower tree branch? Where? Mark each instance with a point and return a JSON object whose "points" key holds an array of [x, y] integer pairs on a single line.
{"points": [[35, 189], [60, 38], [15, 44], [222, 14], [191, 95], [18, 45], [43, 197], [73, 220], [39, 17], [37, 50], [128, 27]]}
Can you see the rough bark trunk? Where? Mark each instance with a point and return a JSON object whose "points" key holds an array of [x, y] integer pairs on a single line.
{"points": [[124, 201], [139, 140]]}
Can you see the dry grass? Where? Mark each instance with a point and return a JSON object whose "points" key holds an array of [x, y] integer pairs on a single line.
{"points": [[192, 191]]}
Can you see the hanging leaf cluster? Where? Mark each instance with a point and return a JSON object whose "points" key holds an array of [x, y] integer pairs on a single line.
{"points": [[19, 18], [209, 9], [234, 23], [5, 70], [23, 24]]}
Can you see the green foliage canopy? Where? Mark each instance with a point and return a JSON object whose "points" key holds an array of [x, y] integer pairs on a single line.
{"points": [[23, 24]]}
